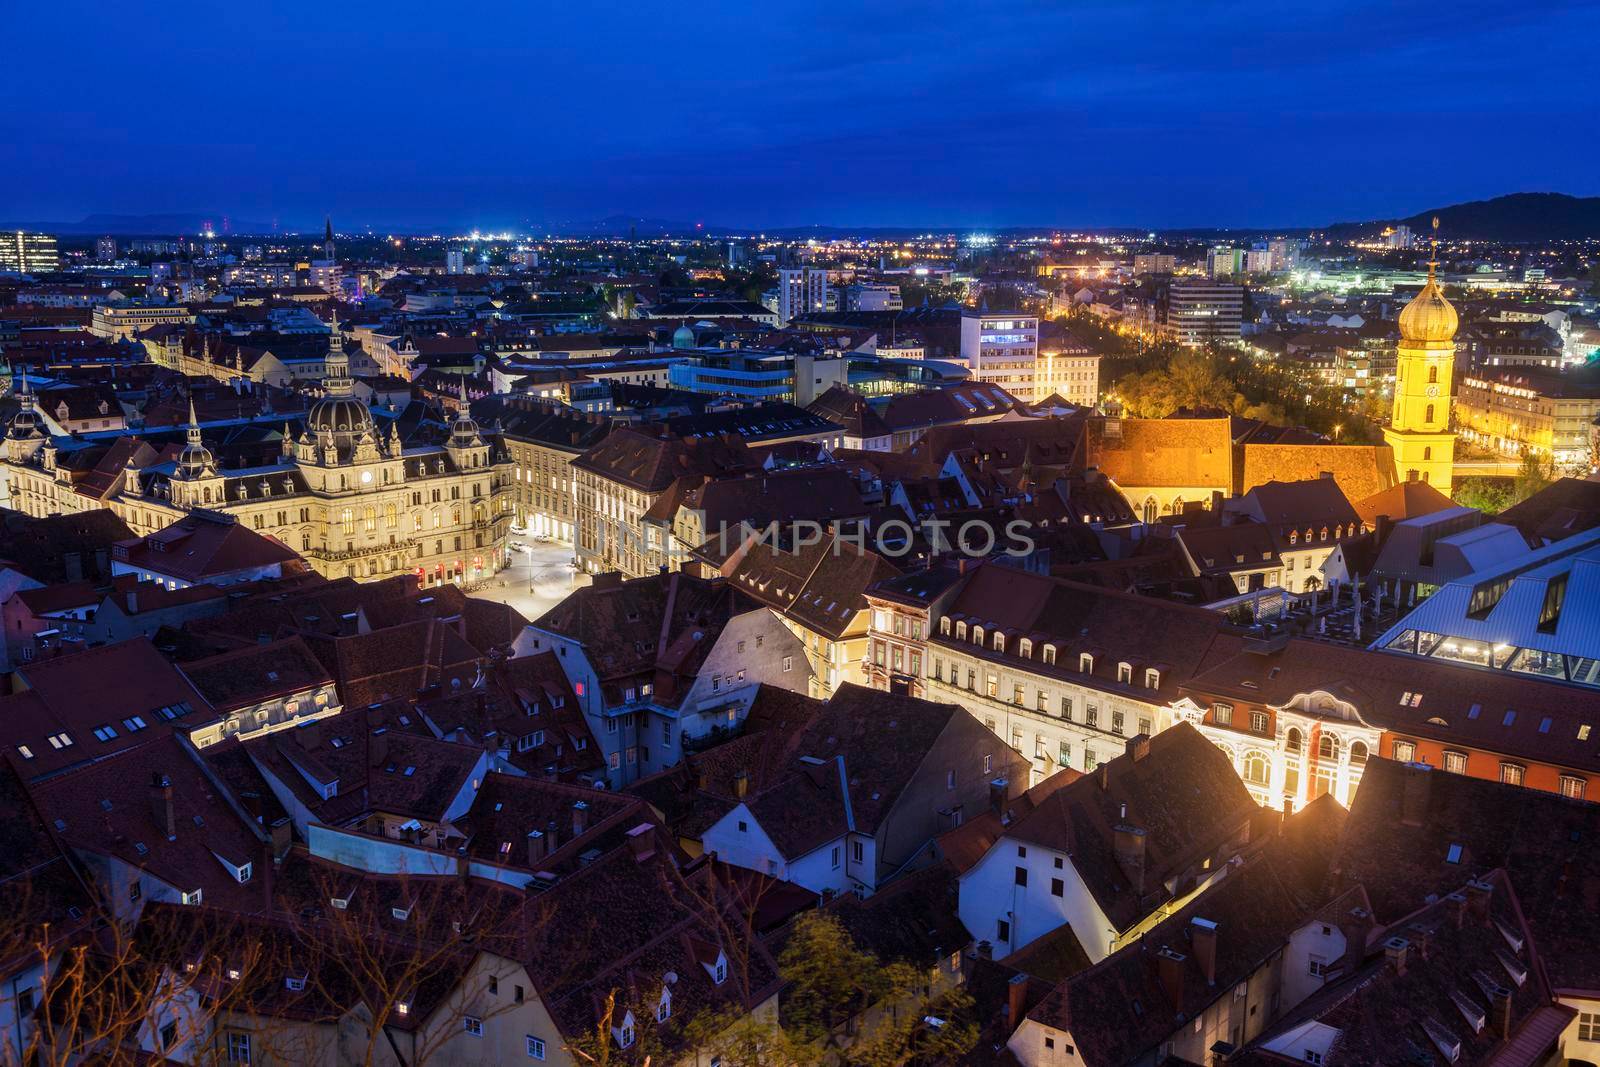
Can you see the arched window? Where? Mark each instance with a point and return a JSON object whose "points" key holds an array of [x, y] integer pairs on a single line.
{"points": [[347, 519], [961, 631], [1294, 537], [1151, 510], [1049, 654], [1025, 648], [1328, 747], [1256, 768], [1125, 672], [999, 642], [1085, 663], [1433, 375], [977, 636], [391, 516], [1292, 740], [1427, 452], [944, 626], [1358, 754], [369, 517], [1429, 416]]}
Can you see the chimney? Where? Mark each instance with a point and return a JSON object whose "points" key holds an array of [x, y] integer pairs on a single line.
{"points": [[378, 746], [998, 788], [133, 602], [161, 805], [281, 835], [1383, 526], [1138, 746], [463, 865], [1170, 964], [1478, 895], [308, 734], [985, 950], [552, 837], [1415, 784], [1129, 851], [536, 852], [1500, 1013], [1203, 943], [1016, 1000], [1103, 775], [1394, 953], [642, 842], [1457, 905], [741, 782], [580, 818]]}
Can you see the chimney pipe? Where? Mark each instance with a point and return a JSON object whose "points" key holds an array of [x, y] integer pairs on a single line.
{"points": [[1500, 1013], [552, 837], [642, 841], [997, 795], [1170, 964], [1415, 785], [309, 734], [741, 782], [580, 818], [1203, 942], [161, 805], [1478, 896], [1129, 851], [378, 746], [1138, 746], [1394, 952], [1016, 1000], [536, 852]]}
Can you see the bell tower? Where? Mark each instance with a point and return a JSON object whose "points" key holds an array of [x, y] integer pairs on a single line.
{"points": [[1419, 426]]}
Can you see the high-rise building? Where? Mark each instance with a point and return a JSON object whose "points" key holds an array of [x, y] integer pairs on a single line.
{"points": [[455, 261], [1419, 427], [801, 290], [1285, 253], [1002, 347], [105, 250], [1224, 262], [1155, 263], [29, 253], [1399, 237], [1200, 312]]}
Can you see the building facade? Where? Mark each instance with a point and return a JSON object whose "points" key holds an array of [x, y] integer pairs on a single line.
{"points": [[1002, 348]]}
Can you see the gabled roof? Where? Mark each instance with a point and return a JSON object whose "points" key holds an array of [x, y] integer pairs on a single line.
{"points": [[821, 586], [1360, 470], [1184, 794], [1161, 452], [650, 463], [203, 546], [257, 673]]}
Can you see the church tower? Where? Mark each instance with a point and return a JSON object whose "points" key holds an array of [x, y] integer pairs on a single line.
{"points": [[1419, 428]]}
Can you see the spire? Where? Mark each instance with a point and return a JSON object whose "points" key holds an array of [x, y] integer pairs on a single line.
{"points": [[1433, 249], [327, 229], [194, 423]]}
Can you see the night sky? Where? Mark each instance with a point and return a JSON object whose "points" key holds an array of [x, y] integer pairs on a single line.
{"points": [[778, 114]]}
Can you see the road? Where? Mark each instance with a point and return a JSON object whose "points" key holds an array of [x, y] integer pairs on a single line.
{"points": [[537, 580]]}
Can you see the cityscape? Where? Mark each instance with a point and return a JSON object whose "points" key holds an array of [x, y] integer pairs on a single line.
{"points": [[764, 585]]}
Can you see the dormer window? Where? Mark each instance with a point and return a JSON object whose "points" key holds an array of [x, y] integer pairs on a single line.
{"points": [[1152, 678], [961, 631], [1085, 663], [1049, 654], [977, 636], [624, 1033], [1125, 672], [664, 1006], [1294, 537], [999, 642], [944, 626], [1025, 648]]}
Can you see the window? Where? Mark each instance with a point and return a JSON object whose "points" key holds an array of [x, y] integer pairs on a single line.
{"points": [[1455, 762], [1511, 773], [169, 1033], [836, 857], [1002, 930], [1116, 722], [1572, 786], [1091, 715], [1405, 751], [1085, 663], [856, 851], [1124, 672], [1222, 714], [238, 1048], [1021, 877], [1312, 1056], [535, 1047], [1066, 708], [1316, 967], [664, 1007], [1064, 758], [1258, 722], [1058, 888], [472, 1025], [1256, 768], [1453, 854], [721, 974], [1589, 1026]]}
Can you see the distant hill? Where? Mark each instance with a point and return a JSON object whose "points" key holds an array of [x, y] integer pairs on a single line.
{"points": [[1515, 217], [145, 225]]}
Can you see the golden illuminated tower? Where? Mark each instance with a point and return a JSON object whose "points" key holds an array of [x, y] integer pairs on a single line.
{"points": [[1419, 429]]}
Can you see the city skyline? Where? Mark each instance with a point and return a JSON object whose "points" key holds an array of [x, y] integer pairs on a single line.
{"points": [[896, 116]]}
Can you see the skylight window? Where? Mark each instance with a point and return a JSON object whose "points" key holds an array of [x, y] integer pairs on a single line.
{"points": [[1510, 718], [1453, 855]]}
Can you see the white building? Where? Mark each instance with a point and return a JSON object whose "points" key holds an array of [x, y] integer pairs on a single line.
{"points": [[1002, 348], [801, 291]]}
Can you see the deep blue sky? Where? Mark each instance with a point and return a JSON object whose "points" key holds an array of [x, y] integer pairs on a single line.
{"points": [[770, 113]]}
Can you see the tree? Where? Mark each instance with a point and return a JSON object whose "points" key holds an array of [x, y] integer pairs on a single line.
{"points": [[1533, 474]]}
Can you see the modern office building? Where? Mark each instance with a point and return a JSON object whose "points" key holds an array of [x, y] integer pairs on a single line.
{"points": [[28, 253], [1200, 312], [801, 291], [1002, 347], [105, 249], [455, 261]]}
